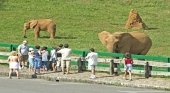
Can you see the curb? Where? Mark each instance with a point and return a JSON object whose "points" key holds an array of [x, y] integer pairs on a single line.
{"points": [[90, 81]]}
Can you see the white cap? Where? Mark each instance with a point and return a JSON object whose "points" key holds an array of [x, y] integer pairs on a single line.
{"points": [[25, 41], [31, 49]]}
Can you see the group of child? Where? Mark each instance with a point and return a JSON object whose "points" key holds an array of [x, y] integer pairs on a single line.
{"points": [[41, 58]]}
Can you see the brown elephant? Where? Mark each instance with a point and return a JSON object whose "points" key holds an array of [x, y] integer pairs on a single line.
{"points": [[41, 25], [122, 42]]}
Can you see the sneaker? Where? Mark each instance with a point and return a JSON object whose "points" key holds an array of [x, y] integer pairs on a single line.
{"points": [[92, 77]]}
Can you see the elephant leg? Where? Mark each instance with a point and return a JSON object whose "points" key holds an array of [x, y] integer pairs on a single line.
{"points": [[52, 34], [37, 32]]}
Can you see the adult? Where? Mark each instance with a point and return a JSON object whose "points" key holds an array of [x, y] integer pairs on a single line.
{"points": [[13, 60], [23, 50], [92, 57], [128, 61], [65, 59]]}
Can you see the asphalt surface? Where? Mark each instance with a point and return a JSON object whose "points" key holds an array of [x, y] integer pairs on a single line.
{"points": [[15, 85]]}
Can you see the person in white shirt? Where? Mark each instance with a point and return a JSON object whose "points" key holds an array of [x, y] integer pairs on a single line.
{"points": [[65, 59], [44, 58], [53, 58], [31, 59], [92, 57], [59, 57]]}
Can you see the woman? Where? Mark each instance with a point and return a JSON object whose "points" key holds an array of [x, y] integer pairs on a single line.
{"points": [[13, 60]]}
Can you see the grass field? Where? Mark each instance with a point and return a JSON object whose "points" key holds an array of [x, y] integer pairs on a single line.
{"points": [[79, 21]]}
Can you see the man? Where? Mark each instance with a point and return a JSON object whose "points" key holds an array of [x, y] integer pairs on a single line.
{"points": [[65, 58], [23, 50]]}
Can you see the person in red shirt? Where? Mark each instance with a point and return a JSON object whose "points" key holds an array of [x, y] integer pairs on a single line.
{"points": [[128, 61]]}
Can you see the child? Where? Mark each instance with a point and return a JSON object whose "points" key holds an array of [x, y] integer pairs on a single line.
{"points": [[128, 61], [92, 62], [59, 57], [31, 59], [44, 58], [13, 60], [37, 59], [53, 58]]}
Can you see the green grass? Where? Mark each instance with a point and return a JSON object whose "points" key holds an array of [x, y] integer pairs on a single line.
{"points": [[79, 21]]}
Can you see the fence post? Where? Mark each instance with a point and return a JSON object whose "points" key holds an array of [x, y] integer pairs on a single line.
{"points": [[83, 61], [116, 69], [111, 67], [147, 70], [79, 64], [11, 47], [168, 62]]}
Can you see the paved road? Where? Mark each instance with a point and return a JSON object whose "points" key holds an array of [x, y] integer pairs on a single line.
{"points": [[41, 86]]}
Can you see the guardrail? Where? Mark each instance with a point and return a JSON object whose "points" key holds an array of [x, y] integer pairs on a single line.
{"points": [[153, 61]]}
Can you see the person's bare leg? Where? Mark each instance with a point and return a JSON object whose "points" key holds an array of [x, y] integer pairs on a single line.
{"points": [[68, 70], [10, 72], [53, 66], [63, 70], [17, 72], [130, 75], [68, 67], [125, 75], [93, 70]]}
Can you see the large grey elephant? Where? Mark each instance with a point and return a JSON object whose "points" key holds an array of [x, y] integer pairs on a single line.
{"points": [[41, 25], [122, 42]]}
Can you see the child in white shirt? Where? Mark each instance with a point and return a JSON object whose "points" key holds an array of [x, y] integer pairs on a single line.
{"points": [[44, 58], [92, 57], [31, 59]]}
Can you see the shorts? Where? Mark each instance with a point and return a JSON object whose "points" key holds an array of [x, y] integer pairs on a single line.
{"points": [[91, 67], [128, 67], [37, 63], [53, 60], [31, 62], [59, 61], [44, 63], [14, 65], [23, 58], [65, 63]]}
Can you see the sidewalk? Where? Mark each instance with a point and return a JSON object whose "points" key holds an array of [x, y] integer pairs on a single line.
{"points": [[102, 78]]}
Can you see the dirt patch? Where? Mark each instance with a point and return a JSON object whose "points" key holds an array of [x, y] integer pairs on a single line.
{"points": [[135, 21]]}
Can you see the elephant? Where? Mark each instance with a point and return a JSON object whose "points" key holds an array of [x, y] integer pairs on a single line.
{"points": [[41, 25], [121, 42]]}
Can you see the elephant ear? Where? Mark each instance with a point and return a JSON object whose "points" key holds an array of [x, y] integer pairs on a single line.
{"points": [[33, 23], [103, 36]]}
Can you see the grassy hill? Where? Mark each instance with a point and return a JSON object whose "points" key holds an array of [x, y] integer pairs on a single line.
{"points": [[79, 21]]}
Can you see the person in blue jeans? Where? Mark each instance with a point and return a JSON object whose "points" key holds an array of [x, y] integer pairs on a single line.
{"points": [[44, 58], [37, 59]]}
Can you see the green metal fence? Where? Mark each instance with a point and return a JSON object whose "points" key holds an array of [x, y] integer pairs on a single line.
{"points": [[103, 54]]}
